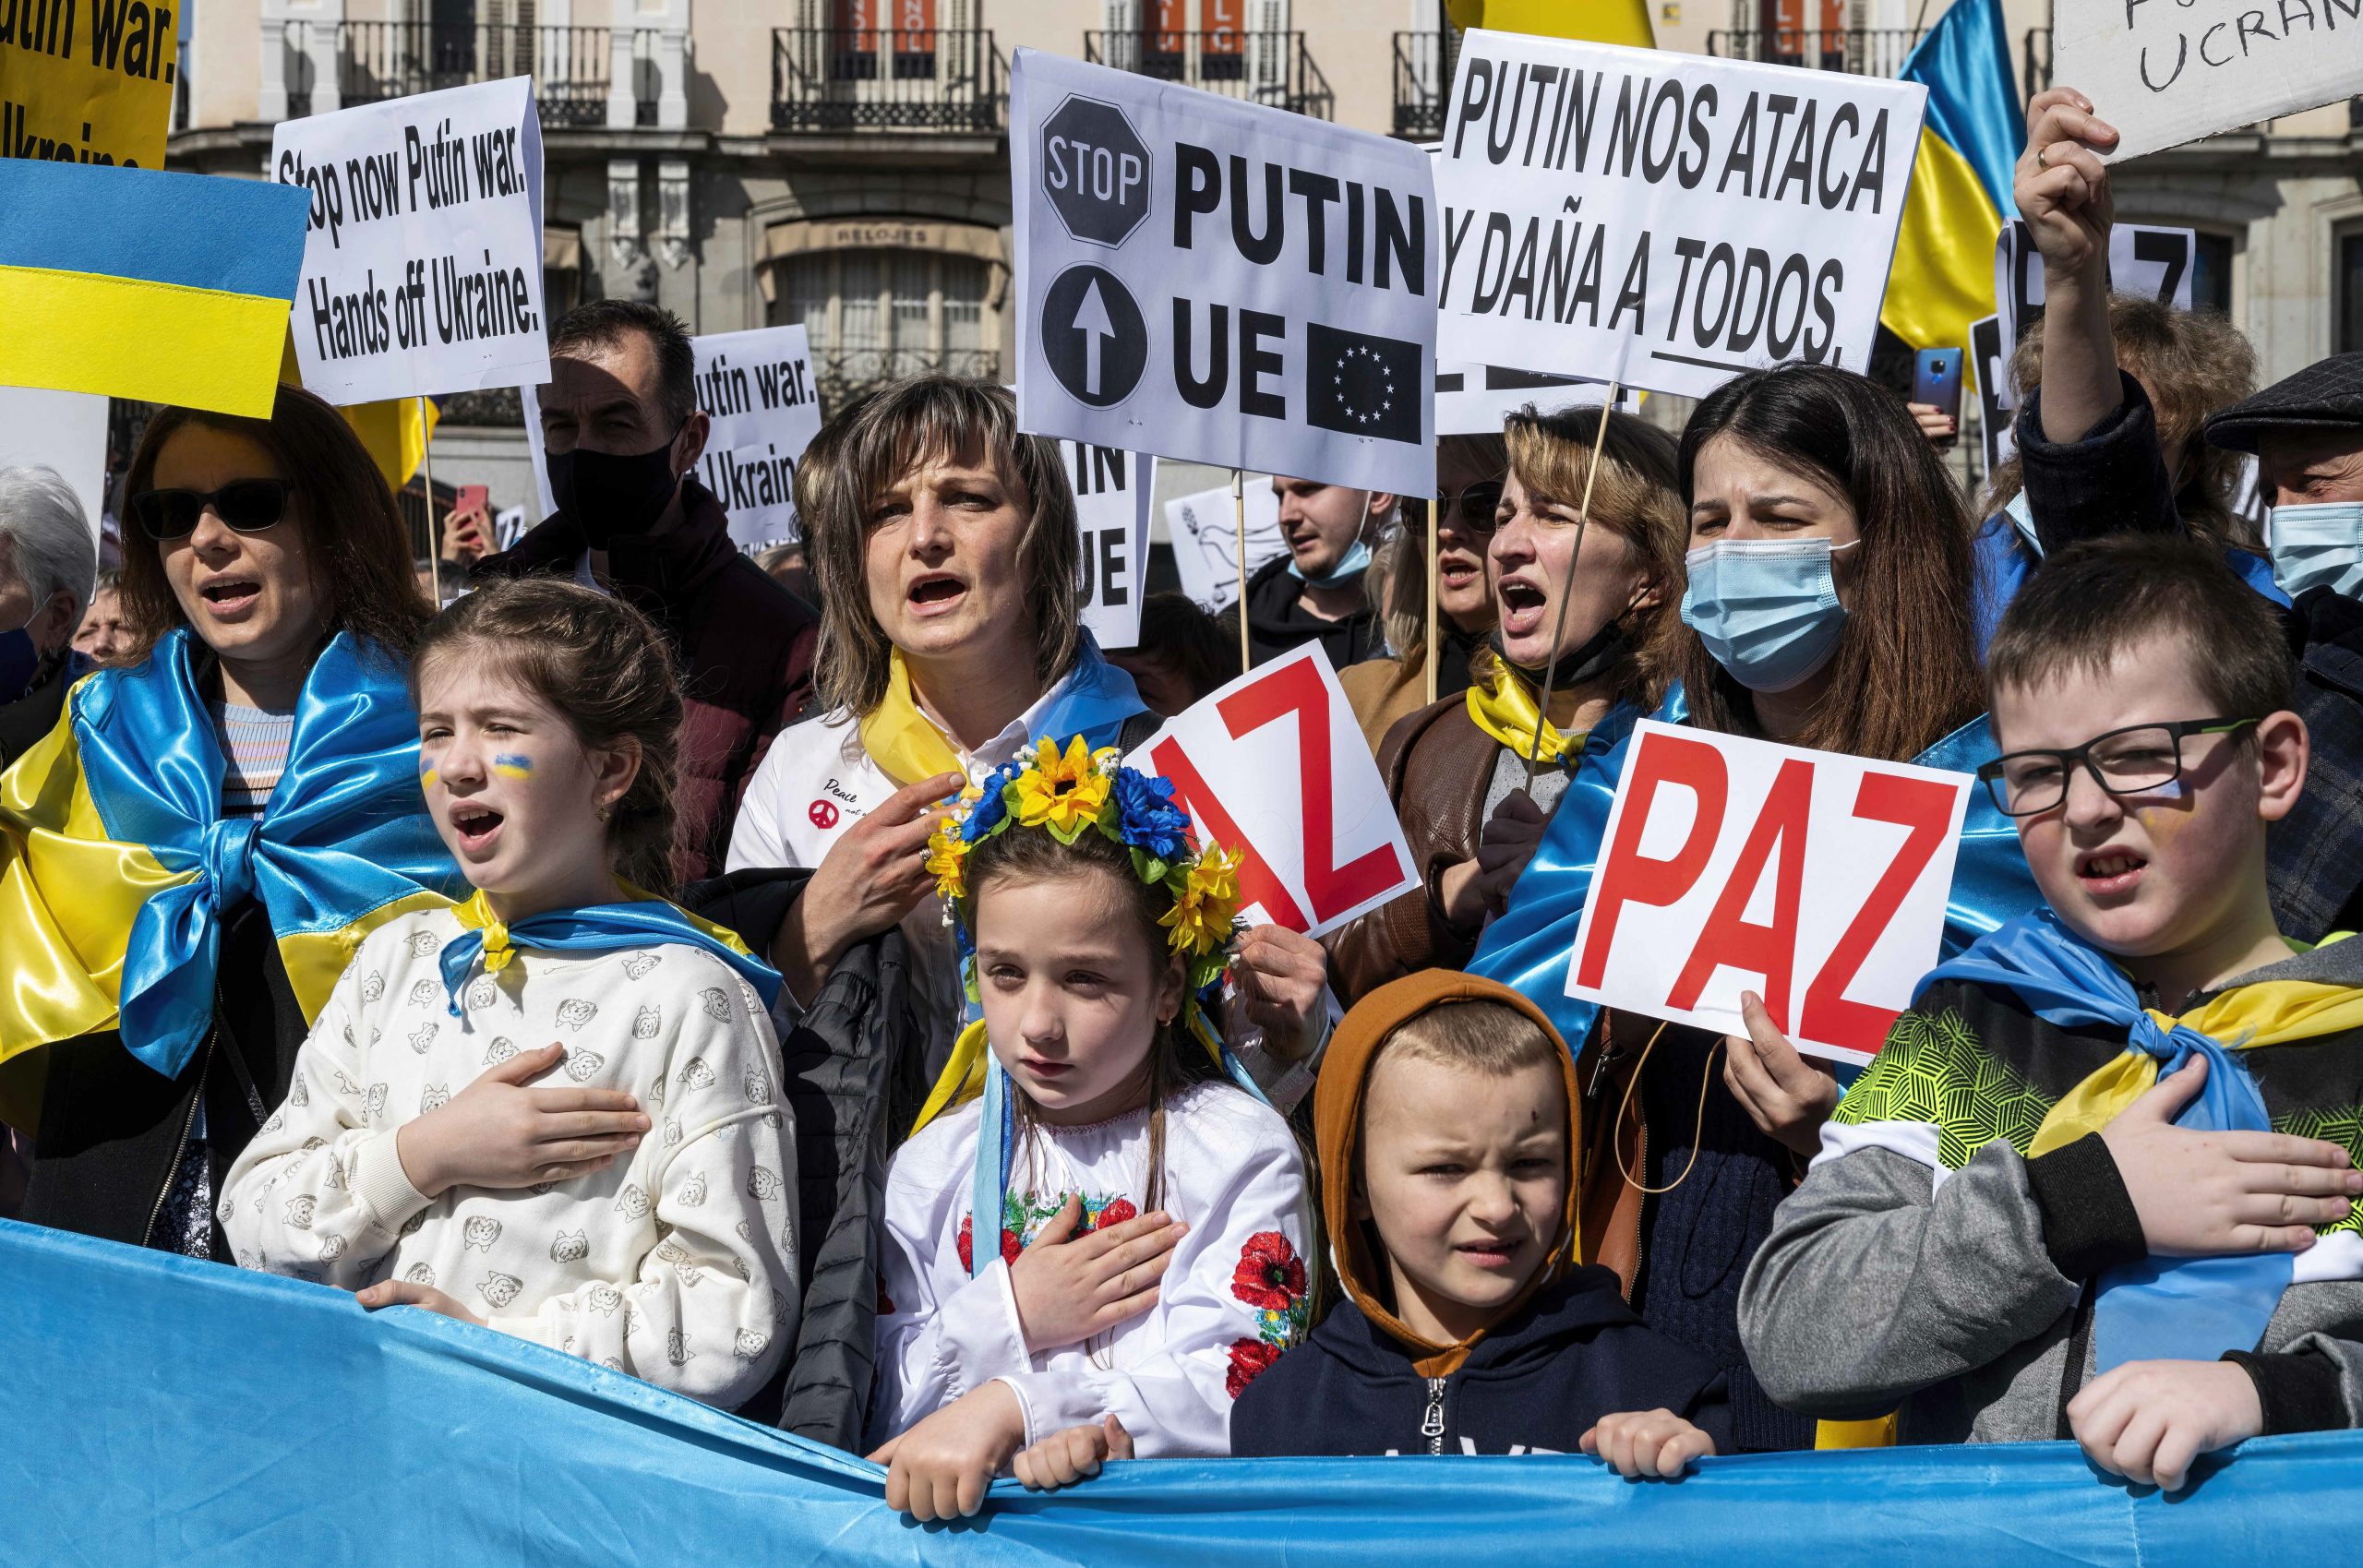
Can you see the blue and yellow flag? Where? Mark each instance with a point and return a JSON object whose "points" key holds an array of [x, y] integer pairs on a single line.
{"points": [[136, 283], [117, 867], [1943, 276]]}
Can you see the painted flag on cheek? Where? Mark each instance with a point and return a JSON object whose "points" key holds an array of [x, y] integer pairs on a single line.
{"points": [[1363, 385]]}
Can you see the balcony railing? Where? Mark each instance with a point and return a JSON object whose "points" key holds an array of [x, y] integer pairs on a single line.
{"points": [[572, 67], [1272, 69], [887, 78], [841, 376], [1862, 52], [1423, 66], [2035, 69]]}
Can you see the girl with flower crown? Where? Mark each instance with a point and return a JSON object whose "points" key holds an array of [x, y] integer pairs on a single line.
{"points": [[1094, 1231]]}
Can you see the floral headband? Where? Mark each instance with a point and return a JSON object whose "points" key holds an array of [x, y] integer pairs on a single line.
{"points": [[1066, 795]]}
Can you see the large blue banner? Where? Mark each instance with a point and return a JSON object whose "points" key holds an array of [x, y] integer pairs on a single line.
{"points": [[159, 1411]]}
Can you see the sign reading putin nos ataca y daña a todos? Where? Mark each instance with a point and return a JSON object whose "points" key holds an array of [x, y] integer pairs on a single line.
{"points": [[1667, 220], [423, 261], [1219, 282]]}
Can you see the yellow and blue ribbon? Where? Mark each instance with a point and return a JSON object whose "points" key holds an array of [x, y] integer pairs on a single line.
{"points": [[1093, 701], [117, 865], [644, 921]]}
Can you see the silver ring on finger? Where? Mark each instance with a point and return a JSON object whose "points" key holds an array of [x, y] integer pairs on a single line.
{"points": [[2040, 154]]}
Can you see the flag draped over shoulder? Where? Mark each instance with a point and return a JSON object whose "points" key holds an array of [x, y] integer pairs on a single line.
{"points": [[137, 284], [1943, 275], [469, 1446], [117, 865], [1594, 21]]}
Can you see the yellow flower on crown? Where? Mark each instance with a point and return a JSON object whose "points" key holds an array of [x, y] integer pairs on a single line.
{"points": [[1201, 917], [1063, 794], [947, 858]]}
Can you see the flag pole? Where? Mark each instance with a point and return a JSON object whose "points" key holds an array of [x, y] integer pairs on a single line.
{"points": [[426, 468], [1567, 589], [1239, 521], [1434, 589]]}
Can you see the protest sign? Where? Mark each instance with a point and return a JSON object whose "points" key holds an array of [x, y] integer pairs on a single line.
{"points": [[1667, 220], [1997, 398], [2143, 259], [1274, 768], [2165, 73], [1204, 531], [1187, 269], [756, 389], [1816, 880], [87, 84], [1111, 494], [64, 431], [423, 260], [1475, 398]]}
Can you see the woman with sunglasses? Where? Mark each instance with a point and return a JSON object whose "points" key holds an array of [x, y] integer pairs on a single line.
{"points": [[187, 862], [1458, 770], [1470, 469]]}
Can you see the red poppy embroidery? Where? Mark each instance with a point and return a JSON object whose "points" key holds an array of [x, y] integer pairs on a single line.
{"points": [[1270, 1276], [1249, 1358], [968, 1245], [1010, 1245], [1116, 1213]]}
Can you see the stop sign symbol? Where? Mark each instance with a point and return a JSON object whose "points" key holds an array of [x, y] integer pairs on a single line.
{"points": [[1095, 170]]}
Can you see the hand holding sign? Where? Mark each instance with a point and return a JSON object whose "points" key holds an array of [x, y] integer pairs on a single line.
{"points": [[1711, 847], [1274, 768]]}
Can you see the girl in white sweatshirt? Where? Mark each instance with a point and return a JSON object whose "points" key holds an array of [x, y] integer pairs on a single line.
{"points": [[555, 1110]]}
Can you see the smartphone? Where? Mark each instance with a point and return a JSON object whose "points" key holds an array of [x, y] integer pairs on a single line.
{"points": [[473, 499], [1936, 380]]}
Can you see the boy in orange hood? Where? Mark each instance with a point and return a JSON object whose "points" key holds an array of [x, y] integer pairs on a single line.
{"points": [[1445, 1116]]}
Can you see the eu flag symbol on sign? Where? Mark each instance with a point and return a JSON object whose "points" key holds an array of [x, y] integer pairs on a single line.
{"points": [[1361, 385]]}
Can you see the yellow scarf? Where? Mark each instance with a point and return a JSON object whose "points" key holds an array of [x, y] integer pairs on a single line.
{"points": [[902, 740], [1505, 709]]}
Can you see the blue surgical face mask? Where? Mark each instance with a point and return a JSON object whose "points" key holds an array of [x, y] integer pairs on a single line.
{"points": [[1765, 608], [2316, 546], [18, 662], [1356, 561]]}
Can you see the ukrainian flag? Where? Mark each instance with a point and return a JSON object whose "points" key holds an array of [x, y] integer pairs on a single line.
{"points": [[136, 283], [1943, 275]]}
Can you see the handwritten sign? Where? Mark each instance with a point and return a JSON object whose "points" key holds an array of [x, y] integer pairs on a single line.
{"points": [[1816, 880], [2165, 72]]}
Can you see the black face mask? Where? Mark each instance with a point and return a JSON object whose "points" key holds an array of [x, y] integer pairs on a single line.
{"points": [[1602, 649], [610, 496]]}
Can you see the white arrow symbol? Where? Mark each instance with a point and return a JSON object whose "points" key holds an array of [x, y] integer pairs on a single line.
{"points": [[1091, 320]]}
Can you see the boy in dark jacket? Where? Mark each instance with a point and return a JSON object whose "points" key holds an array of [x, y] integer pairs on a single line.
{"points": [[1445, 1117]]}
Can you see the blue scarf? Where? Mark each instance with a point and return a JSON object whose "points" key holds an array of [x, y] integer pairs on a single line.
{"points": [[599, 927], [1529, 947]]}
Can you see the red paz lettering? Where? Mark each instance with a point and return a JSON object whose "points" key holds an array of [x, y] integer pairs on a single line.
{"points": [[1776, 848], [1293, 688]]}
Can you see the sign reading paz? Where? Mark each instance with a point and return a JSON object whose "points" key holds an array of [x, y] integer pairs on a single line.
{"points": [[1274, 768], [1220, 281], [2165, 72], [1816, 881], [1667, 219], [1111, 494], [423, 261]]}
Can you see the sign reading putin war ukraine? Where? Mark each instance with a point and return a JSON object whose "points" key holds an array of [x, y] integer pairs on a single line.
{"points": [[1219, 282], [1667, 220], [423, 261], [88, 82]]}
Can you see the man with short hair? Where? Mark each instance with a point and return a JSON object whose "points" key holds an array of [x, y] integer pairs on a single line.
{"points": [[48, 561], [1314, 590], [622, 434]]}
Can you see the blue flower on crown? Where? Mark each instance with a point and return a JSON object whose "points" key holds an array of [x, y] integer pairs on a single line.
{"points": [[993, 805], [1147, 816]]}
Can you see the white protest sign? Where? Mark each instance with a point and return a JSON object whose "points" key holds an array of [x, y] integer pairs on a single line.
{"points": [[756, 389], [65, 432], [2144, 260], [1475, 398], [1274, 769], [423, 260], [1204, 529], [1667, 220], [1111, 497], [1219, 282], [1997, 398], [2165, 72], [1816, 881]]}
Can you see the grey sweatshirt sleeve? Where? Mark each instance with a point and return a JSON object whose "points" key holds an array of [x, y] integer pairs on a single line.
{"points": [[1877, 1281]]}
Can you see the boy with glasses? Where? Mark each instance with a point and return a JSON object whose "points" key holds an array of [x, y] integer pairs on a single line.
{"points": [[2099, 1181]]}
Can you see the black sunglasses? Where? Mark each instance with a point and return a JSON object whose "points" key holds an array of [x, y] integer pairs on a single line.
{"points": [[1472, 511], [248, 506]]}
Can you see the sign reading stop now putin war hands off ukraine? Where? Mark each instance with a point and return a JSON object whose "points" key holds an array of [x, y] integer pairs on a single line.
{"points": [[1221, 282]]}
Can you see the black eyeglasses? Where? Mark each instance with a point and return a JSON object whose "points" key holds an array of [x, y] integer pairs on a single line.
{"points": [[247, 505], [2133, 761], [1472, 511]]}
